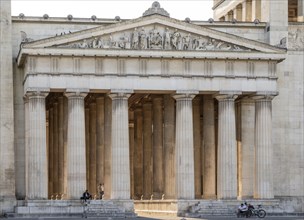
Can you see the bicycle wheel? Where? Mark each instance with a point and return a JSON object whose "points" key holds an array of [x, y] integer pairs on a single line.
{"points": [[261, 213]]}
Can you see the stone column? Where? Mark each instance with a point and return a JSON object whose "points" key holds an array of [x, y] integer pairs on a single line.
{"points": [[100, 148], [120, 177], [108, 144], [87, 142], [51, 151], [76, 160], [37, 178], [184, 147], [60, 157], [55, 148], [169, 147], [246, 147], [247, 10], [158, 174], [237, 12], [92, 157], [263, 188], [209, 166], [131, 142], [197, 147], [256, 9], [138, 152], [227, 151], [300, 10], [65, 143], [147, 150]]}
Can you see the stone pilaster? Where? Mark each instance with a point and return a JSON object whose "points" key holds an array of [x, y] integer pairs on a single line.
{"points": [[37, 173], [7, 154], [227, 150], [147, 150], [87, 142], [76, 159], [209, 154], [169, 147], [120, 177], [263, 188], [184, 147], [158, 174]]}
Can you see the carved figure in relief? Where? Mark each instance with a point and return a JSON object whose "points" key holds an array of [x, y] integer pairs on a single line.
{"points": [[187, 42], [143, 39], [155, 40], [167, 40], [200, 43], [135, 39], [176, 40], [97, 43], [84, 44]]}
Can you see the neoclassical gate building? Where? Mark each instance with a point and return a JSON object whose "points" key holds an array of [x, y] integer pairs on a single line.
{"points": [[155, 108]]}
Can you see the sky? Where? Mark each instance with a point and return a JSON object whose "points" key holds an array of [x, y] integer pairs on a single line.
{"points": [[125, 9]]}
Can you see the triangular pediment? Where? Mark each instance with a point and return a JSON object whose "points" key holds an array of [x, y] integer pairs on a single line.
{"points": [[154, 32]]}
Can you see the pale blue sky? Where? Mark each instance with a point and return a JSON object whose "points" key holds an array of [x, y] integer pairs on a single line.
{"points": [[195, 10]]}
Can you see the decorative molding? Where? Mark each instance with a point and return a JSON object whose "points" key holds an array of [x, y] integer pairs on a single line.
{"points": [[187, 67], [32, 64], [250, 69], [229, 68], [54, 64], [156, 9], [143, 66], [76, 65], [165, 67], [98, 66], [272, 69], [120, 66], [208, 69]]}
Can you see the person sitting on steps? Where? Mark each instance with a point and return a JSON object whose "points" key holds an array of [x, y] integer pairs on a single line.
{"points": [[86, 195]]}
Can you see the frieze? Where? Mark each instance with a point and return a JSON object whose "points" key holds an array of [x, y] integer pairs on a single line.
{"points": [[296, 38], [155, 38]]}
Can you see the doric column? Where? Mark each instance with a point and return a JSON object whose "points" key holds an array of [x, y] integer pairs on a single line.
{"points": [[263, 188], [92, 149], [227, 151], [138, 152], [100, 139], [197, 147], [169, 147], [184, 147], [87, 144], [147, 150], [76, 159], [158, 174], [209, 154], [120, 147], [37, 173], [256, 9], [237, 12]]}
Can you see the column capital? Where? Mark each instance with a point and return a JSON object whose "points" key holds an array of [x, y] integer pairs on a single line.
{"points": [[70, 94], [37, 93], [183, 96], [119, 95], [264, 96]]}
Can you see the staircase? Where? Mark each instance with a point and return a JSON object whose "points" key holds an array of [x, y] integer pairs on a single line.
{"points": [[209, 208], [73, 208]]}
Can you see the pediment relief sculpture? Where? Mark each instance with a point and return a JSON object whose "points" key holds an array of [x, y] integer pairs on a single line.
{"points": [[155, 38]]}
